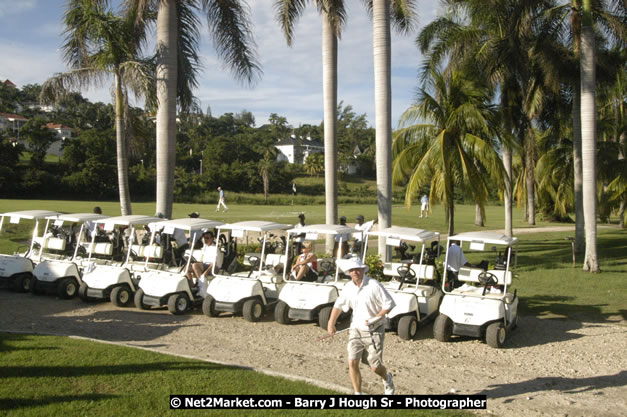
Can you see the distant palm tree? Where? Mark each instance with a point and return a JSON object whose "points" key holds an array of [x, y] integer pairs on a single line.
{"points": [[453, 148], [314, 164], [98, 44], [333, 18], [178, 65]]}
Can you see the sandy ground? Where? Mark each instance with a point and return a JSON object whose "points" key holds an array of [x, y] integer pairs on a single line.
{"points": [[549, 367]]}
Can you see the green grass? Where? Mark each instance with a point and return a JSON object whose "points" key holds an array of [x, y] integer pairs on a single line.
{"points": [[50, 375]]}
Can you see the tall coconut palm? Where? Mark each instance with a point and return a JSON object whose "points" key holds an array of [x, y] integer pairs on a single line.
{"points": [[453, 148], [98, 44], [402, 14], [333, 18], [178, 65]]}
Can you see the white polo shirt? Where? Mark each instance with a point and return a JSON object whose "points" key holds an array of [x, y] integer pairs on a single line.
{"points": [[455, 258], [366, 301]]}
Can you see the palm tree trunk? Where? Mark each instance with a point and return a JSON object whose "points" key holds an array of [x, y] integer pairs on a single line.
{"points": [[507, 162], [382, 51], [122, 154], [530, 177], [329, 92], [167, 29], [621, 213], [451, 218], [478, 216], [588, 140], [578, 174]]}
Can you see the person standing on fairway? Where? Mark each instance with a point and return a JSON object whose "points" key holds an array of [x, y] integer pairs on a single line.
{"points": [[370, 303], [424, 206], [221, 200]]}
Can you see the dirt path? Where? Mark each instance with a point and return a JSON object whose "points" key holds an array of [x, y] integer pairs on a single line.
{"points": [[550, 367]]}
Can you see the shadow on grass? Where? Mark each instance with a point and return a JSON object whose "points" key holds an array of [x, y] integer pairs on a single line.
{"points": [[559, 305], [564, 385], [22, 403], [105, 370]]}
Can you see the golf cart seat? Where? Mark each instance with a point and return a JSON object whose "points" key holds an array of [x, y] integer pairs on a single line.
{"points": [[198, 256], [420, 290], [423, 272], [52, 243], [274, 259], [155, 252], [472, 275], [102, 248]]}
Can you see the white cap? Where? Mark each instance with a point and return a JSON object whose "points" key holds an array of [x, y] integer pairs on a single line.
{"points": [[352, 263]]}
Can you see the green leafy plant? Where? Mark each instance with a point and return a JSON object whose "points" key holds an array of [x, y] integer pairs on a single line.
{"points": [[375, 267]]}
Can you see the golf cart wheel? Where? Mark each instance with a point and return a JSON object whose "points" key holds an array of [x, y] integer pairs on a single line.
{"points": [[407, 327], [22, 282], [178, 303], [253, 310], [496, 334], [209, 306], [34, 287], [443, 328], [281, 313], [67, 288], [139, 300], [121, 296], [82, 292], [323, 317]]}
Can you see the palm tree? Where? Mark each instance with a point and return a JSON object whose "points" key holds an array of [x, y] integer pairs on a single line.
{"points": [[333, 18], [314, 164], [402, 14], [455, 149], [178, 65], [99, 44]]}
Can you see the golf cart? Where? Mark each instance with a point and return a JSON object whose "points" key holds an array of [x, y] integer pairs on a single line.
{"points": [[301, 300], [158, 288], [253, 291], [16, 271], [482, 306], [414, 287], [64, 251], [113, 264]]}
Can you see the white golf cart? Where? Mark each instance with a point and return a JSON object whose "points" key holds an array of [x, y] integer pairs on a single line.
{"points": [[482, 306], [63, 250], [414, 287], [158, 288], [113, 267], [251, 292], [301, 300], [16, 271]]}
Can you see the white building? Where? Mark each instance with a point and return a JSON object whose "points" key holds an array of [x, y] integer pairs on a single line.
{"points": [[63, 132], [296, 151]]}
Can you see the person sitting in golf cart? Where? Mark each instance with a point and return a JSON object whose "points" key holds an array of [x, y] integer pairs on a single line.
{"points": [[306, 266], [200, 270]]}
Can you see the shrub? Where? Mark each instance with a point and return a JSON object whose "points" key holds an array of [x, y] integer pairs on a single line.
{"points": [[375, 267]]}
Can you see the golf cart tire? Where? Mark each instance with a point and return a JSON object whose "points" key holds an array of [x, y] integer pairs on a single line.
{"points": [[67, 288], [323, 317], [281, 312], [82, 292], [121, 296], [407, 327], [253, 310], [34, 287], [209, 306], [443, 328], [139, 300], [22, 282], [178, 303], [495, 334]]}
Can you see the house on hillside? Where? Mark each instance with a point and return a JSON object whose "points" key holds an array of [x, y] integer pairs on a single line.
{"points": [[63, 132], [11, 122], [8, 83], [296, 150]]}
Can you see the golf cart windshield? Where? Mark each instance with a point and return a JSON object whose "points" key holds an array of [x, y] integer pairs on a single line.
{"points": [[37, 215]]}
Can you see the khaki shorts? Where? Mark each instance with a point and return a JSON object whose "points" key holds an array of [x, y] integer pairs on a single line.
{"points": [[367, 346]]}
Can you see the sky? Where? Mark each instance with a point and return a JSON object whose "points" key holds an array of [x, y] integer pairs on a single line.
{"points": [[291, 83]]}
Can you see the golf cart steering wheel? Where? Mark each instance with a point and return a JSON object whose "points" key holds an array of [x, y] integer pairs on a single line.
{"points": [[405, 271], [487, 279], [254, 263], [326, 266]]}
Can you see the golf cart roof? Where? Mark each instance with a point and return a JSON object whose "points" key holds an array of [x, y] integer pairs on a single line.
{"points": [[31, 214], [485, 237], [187, 224], [130, 220], [406, 233], [78, 217], [255, 226], [328, 229]]}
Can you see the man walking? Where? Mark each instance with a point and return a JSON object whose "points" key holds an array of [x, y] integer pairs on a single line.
{"points": [[424, 206], [370, 302], [221, 200]]}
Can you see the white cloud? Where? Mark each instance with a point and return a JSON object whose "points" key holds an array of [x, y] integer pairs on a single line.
{"points": [[13, 7]]}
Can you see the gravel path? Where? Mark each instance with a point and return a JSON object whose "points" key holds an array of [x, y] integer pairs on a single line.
{"points": [[549, 367]]}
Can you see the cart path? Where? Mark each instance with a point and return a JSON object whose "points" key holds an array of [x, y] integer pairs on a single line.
{"points": [[549, 366]]}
